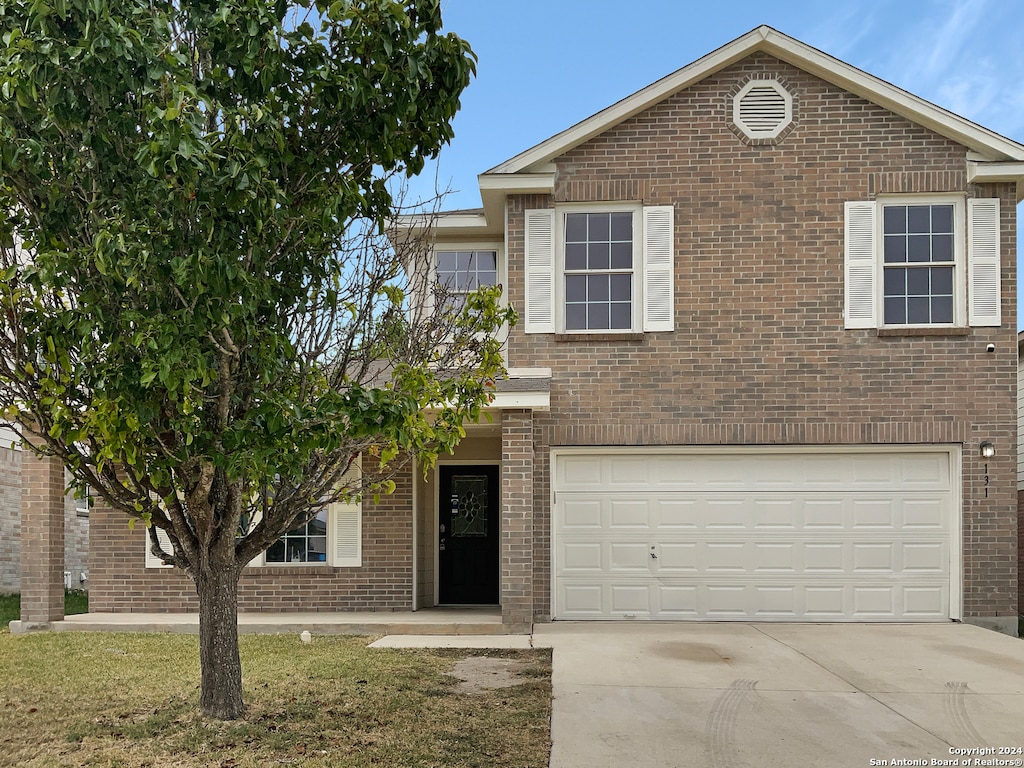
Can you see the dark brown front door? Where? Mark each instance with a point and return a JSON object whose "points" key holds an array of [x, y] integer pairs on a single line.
{"points": [[468, 534]]}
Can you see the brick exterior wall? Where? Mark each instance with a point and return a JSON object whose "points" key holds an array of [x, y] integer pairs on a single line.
{"points": [[517, 505], [120, 582], [759, 355], [76, 529], [42, 552]]}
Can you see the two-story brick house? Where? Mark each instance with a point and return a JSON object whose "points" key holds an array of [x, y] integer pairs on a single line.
{"points": [[766, 336]]}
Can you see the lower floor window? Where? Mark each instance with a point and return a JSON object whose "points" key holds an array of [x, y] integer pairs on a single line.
{"points": [[305, 544]]}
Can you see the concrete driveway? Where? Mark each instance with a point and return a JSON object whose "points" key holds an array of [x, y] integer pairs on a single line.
{"points": [[764, 695]]}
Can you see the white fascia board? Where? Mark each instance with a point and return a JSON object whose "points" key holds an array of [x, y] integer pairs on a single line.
{"points": [[520, 183], [442, 222], [529, 373], [536, 401], [764, 38], [997, 173], [495, 188]]}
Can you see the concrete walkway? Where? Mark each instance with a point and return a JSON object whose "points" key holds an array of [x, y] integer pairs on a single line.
{"points": [[764, 695], [429, 621]]}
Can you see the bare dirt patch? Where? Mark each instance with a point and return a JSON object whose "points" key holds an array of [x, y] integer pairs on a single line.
{"points": [[478, 674]]}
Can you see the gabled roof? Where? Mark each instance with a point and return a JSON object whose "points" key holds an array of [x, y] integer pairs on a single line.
{"points": [[986, 143], [992, 157]]}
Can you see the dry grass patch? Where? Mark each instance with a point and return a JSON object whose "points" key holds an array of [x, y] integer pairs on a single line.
{"points": [[84, 699]]}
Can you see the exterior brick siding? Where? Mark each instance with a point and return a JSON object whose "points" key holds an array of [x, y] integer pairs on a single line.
{"points": [[759, 355], [76, 529], [120, 582]]}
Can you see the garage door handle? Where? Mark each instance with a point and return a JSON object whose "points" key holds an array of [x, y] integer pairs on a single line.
{"points": [[654, 551]]}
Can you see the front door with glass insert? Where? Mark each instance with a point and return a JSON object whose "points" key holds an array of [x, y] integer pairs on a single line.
{"points": [[468, 535]]}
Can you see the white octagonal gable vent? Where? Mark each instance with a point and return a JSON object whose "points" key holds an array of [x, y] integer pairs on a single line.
{"points": [[762, 109]]}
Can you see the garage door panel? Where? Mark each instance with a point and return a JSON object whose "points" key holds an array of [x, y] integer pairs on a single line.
{"points": [[677, 557], [629, 513], [873, 513], [767, 600], [823, 557], [583, 556], [582, 513], [924, 513], [676, 602], [776, 514], [721, 556], [824, 513], [628, 557], [777, 602], [582, 600], [874, 602], [925, 602], [677, 513], [630, 599], [781, 557], [772, 536], [925, 557]]}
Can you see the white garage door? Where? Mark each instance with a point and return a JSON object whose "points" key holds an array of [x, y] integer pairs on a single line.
{"points": [[772, 534]]}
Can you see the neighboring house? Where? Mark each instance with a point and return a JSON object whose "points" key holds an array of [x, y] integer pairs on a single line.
{"points": [[767, 324], [76, 524]]}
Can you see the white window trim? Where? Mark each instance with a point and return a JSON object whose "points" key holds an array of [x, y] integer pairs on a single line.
{"points": [[959, 255], [636, 298], [976, 261]]}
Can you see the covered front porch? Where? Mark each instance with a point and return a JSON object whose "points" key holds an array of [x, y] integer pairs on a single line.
{"points": [[400, 573]]}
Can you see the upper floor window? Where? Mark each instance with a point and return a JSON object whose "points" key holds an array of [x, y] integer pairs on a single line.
{"points": [[599, 268], [922, 261], [598, 271], [919, 260], [461, 272]]}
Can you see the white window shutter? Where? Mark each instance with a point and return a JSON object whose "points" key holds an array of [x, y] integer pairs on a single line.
{"points": [[152, 561], [861, 265], [659, 289], [983, 262], [540, 272], [257, 561], [345, 522]]}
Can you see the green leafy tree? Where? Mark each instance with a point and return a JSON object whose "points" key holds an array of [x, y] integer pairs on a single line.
{"points": [[199, 312]]}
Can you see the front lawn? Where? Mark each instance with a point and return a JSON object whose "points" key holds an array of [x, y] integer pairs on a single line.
{"points": [[100, 699]]}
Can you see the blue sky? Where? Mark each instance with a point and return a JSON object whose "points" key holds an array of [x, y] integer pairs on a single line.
{"points": [[547, 64]]}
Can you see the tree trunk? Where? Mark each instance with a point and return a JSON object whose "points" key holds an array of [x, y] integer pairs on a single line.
{"points": [[220, 693]]}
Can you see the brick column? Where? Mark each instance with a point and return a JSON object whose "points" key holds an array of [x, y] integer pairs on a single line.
{"points": [[517, 520], [42, 540]]}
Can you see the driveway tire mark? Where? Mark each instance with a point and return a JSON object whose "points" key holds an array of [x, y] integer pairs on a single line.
{"points": [[719, 741], [955, 705]]}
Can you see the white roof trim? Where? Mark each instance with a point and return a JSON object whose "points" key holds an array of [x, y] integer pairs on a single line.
{"points": [[537, 401], [785, 48], [997, 173]]}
